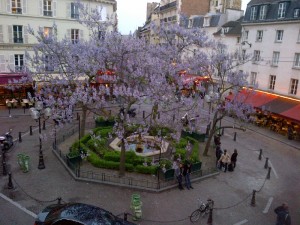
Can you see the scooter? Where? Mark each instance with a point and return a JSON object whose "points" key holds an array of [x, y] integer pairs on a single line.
{"points": [[6, 141]]}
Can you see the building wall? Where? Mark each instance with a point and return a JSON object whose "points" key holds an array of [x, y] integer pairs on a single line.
{"points": [[285, 70], [195, 7], [32, 13]]}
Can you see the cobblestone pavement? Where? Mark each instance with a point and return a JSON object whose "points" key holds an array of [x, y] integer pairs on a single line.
{"points": [[232, 192]]}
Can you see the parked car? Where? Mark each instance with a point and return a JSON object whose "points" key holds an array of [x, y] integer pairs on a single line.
{"points": [[77, 214]]}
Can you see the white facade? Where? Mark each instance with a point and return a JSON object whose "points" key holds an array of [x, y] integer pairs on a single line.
{"points": [[17, 15], [275, 48]]}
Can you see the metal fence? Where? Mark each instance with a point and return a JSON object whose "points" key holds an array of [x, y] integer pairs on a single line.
{"points": [[106, 178]]}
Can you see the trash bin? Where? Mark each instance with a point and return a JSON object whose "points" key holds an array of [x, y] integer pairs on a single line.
{"points": [[136, 206], [23, 161]]}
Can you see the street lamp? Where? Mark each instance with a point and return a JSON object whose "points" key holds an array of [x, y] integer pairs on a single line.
{"points": [[36, 113]]}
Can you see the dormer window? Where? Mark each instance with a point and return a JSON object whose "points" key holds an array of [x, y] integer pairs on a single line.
{"points": [[225, 29], [263, 12], [281, 10], [253, 13], [206, 22], [296, 13]]}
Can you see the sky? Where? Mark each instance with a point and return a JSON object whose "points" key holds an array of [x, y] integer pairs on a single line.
{"points": [[132, 14]]}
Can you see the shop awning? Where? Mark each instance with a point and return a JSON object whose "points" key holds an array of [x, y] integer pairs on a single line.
{"points": [[6, 77], [293, 113], [280, 105], [254, 98]]}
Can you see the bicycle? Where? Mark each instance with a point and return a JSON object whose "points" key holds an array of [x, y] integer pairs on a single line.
{"points": [[202, 211]]}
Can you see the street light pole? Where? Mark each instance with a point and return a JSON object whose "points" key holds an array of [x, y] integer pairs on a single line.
{"points": [[41, 157]]}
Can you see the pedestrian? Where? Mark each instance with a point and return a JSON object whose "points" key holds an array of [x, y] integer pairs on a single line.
{"points": [[224, 160], [234, 158], [283, 216], [219, 152], [178, 174], [187, 169]]}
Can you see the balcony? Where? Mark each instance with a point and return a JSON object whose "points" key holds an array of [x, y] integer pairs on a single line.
{"points": [[168, 6], [74, 15], [18, 68], [47, 13], [16, 10], [18, 40]]}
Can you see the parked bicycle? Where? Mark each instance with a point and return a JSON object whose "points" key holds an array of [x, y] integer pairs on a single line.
{"points": [[202, 211]]}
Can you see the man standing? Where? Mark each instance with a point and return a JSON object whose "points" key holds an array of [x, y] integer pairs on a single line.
{"points": [[186, 173], [234, 158], [224, 160], [283, 216]]}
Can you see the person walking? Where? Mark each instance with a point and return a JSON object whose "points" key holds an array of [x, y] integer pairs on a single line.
{"points": [[187, 169], [234, 158], [178, 173], [224, 160], [283, 216], [219, 153]]}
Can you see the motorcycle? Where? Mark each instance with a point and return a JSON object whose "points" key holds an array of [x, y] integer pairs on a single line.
{"points": [[6, 141]]}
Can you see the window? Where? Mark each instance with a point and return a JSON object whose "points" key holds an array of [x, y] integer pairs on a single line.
{"points": [[296, 13], [297, 60], [19, 62], [281, 9], [272, 82], [253, 78], [253, 13], [263, 12], [294, 86], [275, 58], [49, 63], [18, 33], [48, 32], [74, 35], [47, 8], [16, 6], [246, 33], [74, 11], [259, 35], [206, 22], [256, 56], [279, 35]]}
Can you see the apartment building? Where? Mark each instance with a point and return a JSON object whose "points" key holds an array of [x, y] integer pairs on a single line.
{"points": [[271, 31], [17, 15]]}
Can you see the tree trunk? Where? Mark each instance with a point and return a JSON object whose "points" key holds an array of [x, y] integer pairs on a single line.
{"points": [[211, 134], [83, 120], [122, 159]]}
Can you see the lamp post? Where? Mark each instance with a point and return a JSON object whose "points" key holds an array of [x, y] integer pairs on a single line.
{"points": [[36, 113]]}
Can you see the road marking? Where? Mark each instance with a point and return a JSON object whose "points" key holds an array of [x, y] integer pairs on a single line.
{"points": [[241, 222], [266, 210], [18, 205], [273, 170]]}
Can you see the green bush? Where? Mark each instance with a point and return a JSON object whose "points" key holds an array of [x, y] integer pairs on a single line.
{"points": [[182, 143], [146, 169], [166, 162], [85, 138], [112, 156]]}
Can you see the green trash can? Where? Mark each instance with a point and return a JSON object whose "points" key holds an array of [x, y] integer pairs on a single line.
{"points": [[136, 206], [26, 159], [20, 157]]}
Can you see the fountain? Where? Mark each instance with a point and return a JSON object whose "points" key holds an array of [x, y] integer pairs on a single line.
{"points": [[142, 145]]}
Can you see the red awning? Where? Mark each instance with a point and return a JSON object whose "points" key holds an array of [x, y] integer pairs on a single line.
{"points": [[254, 98], [6, 77], [293, 113]]}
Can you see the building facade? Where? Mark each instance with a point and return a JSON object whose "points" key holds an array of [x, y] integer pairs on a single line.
{"points": [[17, 15], [271, 31]]}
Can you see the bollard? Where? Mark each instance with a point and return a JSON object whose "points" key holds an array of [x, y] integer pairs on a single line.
{"points": [[234, 136], [4, 172], [269, 173], [30, 130], [143, 114], [125, 216], [253, 198], [20, 137], [10, 184], [59, 200], [210, 218], [266, 164], [260, 154]]}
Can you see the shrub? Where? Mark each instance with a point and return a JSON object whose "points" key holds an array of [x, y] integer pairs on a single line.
{"points": [[146, 169], [112, 156]]}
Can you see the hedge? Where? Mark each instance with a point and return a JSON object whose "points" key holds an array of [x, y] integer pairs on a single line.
{"points": [[146, 169]]}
